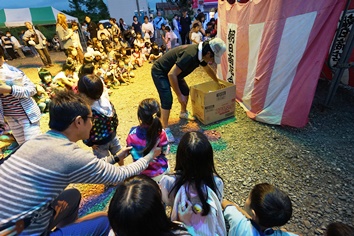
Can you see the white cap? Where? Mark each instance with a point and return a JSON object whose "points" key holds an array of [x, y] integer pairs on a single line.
{"points": [[218, 46]]}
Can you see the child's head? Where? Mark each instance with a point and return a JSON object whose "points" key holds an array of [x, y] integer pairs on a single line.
{"points": [[69, 67], [123, 51], [339, 229], [195, 27], [268, 206], [45, 76], [86, 69], [138, 35], [167, 28], [147, 44], [136, 48], [149, 113], [115, 38], [91, 86], [154, 45], [137, 202], [103, 36], [195, 156]]}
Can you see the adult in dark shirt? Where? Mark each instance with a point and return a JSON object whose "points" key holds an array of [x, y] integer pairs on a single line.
{"points": [[91, 27], [185, 22], [136, 25], [170, 70]]}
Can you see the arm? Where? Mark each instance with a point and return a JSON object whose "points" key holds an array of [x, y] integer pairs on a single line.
{"points": [[211, 73], [26, 91], [61, 33], [172, 77]]}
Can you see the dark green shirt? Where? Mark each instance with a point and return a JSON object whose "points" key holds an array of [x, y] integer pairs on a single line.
{"points": [[185, 57]]}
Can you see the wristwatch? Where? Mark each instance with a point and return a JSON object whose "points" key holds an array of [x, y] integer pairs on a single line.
{"points": [[116, 158]]}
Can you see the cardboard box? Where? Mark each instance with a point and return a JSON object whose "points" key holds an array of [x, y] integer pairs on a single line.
{"points": [[210, 104]]}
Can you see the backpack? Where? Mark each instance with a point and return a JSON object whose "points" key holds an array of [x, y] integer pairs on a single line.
{"points": [[210, 225]]}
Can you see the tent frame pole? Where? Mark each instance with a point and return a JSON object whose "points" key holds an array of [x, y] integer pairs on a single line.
{"points": [[343, 62]]}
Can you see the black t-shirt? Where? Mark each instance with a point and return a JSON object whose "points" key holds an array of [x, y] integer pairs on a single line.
{"points": [[185, 57], [185, 23], [137, 27]]}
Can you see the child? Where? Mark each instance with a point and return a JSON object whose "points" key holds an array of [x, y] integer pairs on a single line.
{"points": [[155, 53], [46, 81], [42, 99], [170, 38], [195, 35], [143, 138], [67, 78], [266, 207], [139, 41], [121, 73], [103, 137], [147, 49], [138, 56], [194, 185]]}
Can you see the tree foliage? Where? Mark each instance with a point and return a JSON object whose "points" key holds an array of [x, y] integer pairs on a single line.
{"points": [[183, 4], [96, 9]]}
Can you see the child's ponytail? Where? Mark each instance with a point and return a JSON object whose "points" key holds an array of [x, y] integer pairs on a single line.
{"points": [[153, 133]]}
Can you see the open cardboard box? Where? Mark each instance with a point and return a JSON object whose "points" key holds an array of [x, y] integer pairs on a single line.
{"points": [[211, 103]]}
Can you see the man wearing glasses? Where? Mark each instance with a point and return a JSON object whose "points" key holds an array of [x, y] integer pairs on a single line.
{"points": [[33, 179]]}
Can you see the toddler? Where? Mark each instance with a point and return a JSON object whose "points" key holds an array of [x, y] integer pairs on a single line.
{"points": [[195, 36], [103, 137]]}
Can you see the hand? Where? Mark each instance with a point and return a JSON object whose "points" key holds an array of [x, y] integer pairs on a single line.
{"points": [[95, 147], [182, 99], [124, 153], [157, 152], [152, 154], [225, 203], [4, 88], [185, 212]]}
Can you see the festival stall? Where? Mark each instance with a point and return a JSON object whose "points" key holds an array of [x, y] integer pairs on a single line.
{"points": [[38, 16], [276, 50]]}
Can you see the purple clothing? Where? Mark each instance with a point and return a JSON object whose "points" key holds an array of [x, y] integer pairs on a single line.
{"points": [[137, 139]]}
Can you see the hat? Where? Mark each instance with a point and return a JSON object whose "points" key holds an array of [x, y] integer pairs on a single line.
{"points": [[218, 46]]}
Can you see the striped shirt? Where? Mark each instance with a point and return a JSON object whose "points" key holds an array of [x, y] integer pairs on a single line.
{"points": [[21, 95], [42, 168], [137, 139], [11, 106]]}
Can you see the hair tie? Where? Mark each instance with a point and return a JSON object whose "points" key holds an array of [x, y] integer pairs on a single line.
{"points": [[154, 115]]}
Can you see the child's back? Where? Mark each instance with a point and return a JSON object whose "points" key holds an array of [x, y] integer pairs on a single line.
{"points": [[143, 137], [195, 191]]}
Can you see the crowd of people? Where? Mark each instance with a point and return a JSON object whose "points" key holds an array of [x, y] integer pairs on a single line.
{"points": [[34, 199]]}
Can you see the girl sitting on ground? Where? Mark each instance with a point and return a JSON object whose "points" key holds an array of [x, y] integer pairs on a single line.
{"points": [[195, 190], [138, 57], [144, 136]]}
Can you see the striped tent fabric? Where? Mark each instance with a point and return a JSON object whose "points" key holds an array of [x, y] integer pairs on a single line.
{"points": [[275, 53], [38, 16]]}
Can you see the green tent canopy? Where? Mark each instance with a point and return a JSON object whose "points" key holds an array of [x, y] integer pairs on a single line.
{"points": [[38, 16]]}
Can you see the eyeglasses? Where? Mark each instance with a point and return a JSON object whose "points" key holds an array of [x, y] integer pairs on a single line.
{"points": [[91, 117]]}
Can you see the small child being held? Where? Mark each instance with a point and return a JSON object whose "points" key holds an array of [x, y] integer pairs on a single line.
{"points": [[266, 207], [103, 137], [144, 136]]}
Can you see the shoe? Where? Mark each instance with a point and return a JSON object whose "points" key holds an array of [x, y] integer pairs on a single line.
{"points": [[47, 66], [186, 115], [51, 65], [169, 135]]}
